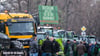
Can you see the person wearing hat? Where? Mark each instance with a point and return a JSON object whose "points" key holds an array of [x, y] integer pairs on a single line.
{"points": [[67, 48], [87, 47], [34, 46], [74, 45]]}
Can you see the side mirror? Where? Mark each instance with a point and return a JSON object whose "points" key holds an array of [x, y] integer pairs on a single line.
{"points": [[8, 24], [2, 27], [36, 18]]}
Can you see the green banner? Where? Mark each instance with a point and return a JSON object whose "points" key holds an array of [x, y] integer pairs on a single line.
{"points": [[48, 14]]}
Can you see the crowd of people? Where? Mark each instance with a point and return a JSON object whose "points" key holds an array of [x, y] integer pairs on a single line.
{"points": [[50, 47]]}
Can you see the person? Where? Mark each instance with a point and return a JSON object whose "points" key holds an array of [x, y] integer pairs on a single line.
{"points": [[74, 45], [80, 49], [91, 50], [96, 49], [87, 46], [99, 51], [46, 47], [67, 48], [55, 47], [39, 46], [34, 46]]}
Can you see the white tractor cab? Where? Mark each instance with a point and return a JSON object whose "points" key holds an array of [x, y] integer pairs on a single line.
{"points": [[91, 39], [70, 35], [77, 38], [98, 40], [41, 35], [60, 34], [65, 35], [88, 39], [47, 29]]}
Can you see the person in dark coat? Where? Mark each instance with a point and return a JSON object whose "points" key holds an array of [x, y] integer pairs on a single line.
{"points": [[87, 47], [81, 49], [67, 48], [96, 49], [55, 47], [74, 45], [47, 48], [91, 49], [34, 46]]}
